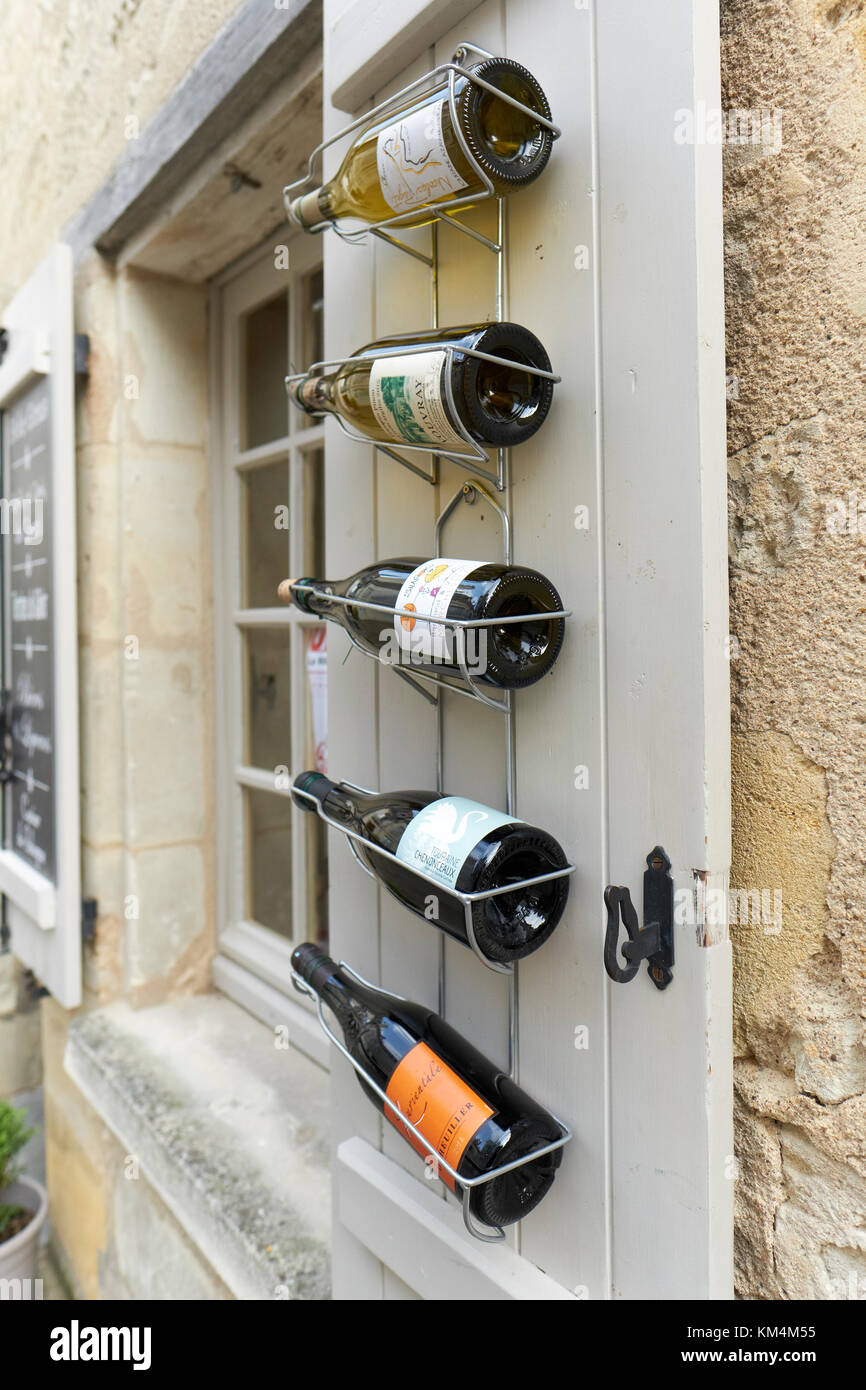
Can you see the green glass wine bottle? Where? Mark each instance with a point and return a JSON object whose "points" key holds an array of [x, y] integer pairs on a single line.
{"points": [[461, 844]]}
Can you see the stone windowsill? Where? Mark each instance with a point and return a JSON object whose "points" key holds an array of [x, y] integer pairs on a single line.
{"points": [[231, 1131]]}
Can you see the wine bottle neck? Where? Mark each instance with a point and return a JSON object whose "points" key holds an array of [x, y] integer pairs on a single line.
{"points": [[336, 991], [311, 791], [312, 208], [328, 980], [315, 394], [316, 603]]}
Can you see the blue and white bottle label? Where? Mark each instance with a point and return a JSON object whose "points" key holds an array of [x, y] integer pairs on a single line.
{"points": [[442, 836]]}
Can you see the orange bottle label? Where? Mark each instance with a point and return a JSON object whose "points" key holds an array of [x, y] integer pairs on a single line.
{"points": [[438, 1103]]}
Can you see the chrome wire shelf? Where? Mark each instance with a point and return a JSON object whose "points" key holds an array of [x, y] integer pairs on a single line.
{"points": [[466, 1185], [466, 900], [469, 492]]}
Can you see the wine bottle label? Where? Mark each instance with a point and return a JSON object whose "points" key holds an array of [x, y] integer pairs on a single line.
{"points": [[438, 1103], [428, 590], [438, 840], [406, 399], [413, 161]]}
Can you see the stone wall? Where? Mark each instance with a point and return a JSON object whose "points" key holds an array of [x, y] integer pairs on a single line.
{"points": [[146, 634], [796, 316], [78, 83], [79, 87], [111, 1234]]}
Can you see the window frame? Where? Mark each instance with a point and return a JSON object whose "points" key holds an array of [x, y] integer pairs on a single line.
{"points": [[252, 964]]}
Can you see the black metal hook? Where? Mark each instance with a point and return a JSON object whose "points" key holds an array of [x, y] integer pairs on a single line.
{"points": [[654, 942]]}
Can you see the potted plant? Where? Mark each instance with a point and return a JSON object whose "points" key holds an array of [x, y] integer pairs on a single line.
{"points": [[23, 1201]]}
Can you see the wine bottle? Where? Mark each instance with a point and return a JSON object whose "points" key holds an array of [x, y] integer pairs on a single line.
{"points": [[394, 392], [413, 157], [505, 655], [462, 845], [473, 1114]]}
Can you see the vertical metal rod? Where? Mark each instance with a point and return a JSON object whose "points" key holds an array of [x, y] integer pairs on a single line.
{"points": [[500, 260], [434, 275], [434, 323], [504, 472], [505, 481]]}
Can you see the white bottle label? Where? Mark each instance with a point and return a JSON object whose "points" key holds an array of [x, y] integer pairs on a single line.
{"points": [[428, 591], [406, 399], [439, 839], [414, 165]]}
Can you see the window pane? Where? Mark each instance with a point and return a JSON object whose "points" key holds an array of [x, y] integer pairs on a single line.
{"points": [[312, 335], [316, 756], [314, 513], [266, 535], [267, 698], [265, 365], [269, 860], [315, 306], [317, 880]]}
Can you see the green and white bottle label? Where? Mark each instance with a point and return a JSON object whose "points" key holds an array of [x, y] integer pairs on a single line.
{"points": [[406, 399], [428, 591], [439, 839], [413, 162]]}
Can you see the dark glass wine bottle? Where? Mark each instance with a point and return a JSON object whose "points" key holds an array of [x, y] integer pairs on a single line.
{"points": [[472, 1113], [505, 655], [464, 846], [413, 156], [395, 394]]}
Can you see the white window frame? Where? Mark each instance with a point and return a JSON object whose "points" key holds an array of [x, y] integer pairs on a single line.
{"points": [[252, 964]]}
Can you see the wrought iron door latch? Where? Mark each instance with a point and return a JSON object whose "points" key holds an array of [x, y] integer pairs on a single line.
{"points": [[654, 941]]}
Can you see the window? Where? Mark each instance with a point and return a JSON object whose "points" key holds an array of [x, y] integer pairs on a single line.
{"points": [[271, 695]]}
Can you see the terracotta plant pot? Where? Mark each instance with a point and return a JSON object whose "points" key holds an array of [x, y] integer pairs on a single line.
{"points": [[18, 1255]]}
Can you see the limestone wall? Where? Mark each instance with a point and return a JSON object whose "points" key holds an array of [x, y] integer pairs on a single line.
{"points": [[79, 80], [796, 317], [146, 634]]}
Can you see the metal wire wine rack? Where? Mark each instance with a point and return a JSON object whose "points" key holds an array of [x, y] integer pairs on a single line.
{"points": [[393, 104], [469, 492], [475, 455], [466, 1185], [467, 900]]}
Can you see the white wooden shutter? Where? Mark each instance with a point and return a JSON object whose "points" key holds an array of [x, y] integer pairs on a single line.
{"points": [[615, 262], [40, 858]]}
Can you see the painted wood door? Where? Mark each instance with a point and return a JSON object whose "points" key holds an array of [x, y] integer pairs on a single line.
{"points": [[614, 261]]}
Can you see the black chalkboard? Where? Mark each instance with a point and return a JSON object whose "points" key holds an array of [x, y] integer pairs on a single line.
{"points": [[25, 522]]}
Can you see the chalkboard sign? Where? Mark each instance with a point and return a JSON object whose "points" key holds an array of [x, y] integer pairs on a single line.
{"points": [[27, 543], [40, 852]]}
